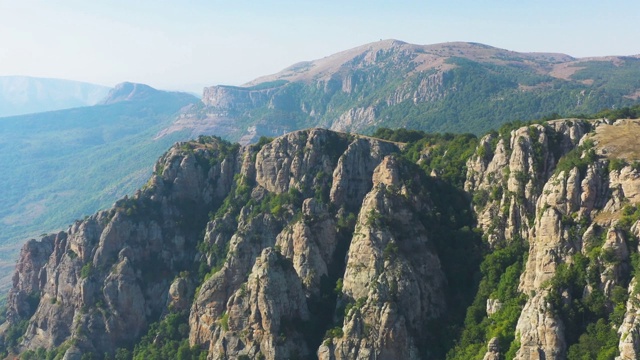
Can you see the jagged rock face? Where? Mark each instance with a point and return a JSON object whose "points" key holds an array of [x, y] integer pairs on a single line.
{"points": [[561, 214], [576, 212], [512, 175], [356, 118], [431, 88], [552, 243], [541, 332], [102, 281], [628, 181], [493, 306], [262, 315], [300, 162], [29, 278], [231, 98], [629, 331], [392, 273], [210, 304], [310, 244], [493, 350], [319, 231], [352, 176], [179, 291]]}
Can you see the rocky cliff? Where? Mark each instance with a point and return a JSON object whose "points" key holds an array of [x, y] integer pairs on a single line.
{"points": [[555, 188], [441, 87], [103, 281], [320, 244]]}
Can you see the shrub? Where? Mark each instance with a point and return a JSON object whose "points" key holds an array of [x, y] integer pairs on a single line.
{"points": [[87, 270]]}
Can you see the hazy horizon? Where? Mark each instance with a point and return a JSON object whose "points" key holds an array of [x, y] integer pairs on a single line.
{"points": [[186, 47]]}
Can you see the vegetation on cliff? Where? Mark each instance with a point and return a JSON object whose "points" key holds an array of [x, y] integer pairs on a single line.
{"points": [[325, 244]]}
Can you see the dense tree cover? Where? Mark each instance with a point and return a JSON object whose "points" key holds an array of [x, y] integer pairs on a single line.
{"points": [[166, 339], [500, 271], [614, 79], [580, 157], [444, 155], [632, 112], [599, 342]]}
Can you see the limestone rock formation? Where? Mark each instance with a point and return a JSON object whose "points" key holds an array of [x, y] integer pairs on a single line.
{"points": [[393, 275], [263, 317], [511, 176], [297, 165], [327, 244], [493, 350], [541, 332], [629, 331]]}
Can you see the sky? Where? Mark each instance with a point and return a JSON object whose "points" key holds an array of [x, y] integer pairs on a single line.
{"points": [[187, 45]]}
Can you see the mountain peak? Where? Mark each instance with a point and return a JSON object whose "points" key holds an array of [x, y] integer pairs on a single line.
{"points": [[387, 43], [128, 91], [418, 57]]}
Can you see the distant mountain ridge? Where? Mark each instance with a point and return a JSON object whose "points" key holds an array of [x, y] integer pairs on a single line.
{"points": [[24, 95], [427, 57], [128, 91], [455, 87]]}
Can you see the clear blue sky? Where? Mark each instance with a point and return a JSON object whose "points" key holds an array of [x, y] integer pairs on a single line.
{"points": [[186, 44]]}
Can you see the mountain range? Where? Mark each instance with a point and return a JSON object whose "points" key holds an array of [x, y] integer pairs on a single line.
{"points": [[456, 87], [24, 95], [320, 244], [327, 244], [453, 87]]}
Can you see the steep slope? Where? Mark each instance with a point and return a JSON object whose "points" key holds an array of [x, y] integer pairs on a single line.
{"points": [[327, 245], [69, 163], [313, 231], [24, 95], [457, 87], [579, 216]]}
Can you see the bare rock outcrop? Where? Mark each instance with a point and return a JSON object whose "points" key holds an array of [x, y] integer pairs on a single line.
{"points": [[301, 166], [541, 332], [393, 277], [310, 244], [508, 177], [493, 350], [352, 177], [629, 331], [30, 277], [261, 316], [297, 159], [355, 118]]}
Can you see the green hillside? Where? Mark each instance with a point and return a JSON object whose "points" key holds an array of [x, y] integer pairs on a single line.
{"points": [[453, 87]]}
